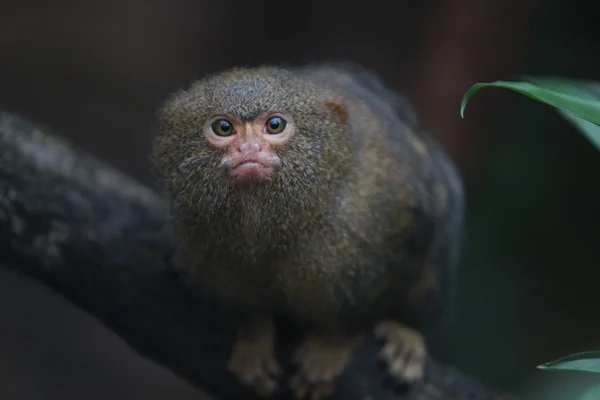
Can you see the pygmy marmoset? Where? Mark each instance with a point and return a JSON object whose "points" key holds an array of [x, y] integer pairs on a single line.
{"points": [[311, 193]]}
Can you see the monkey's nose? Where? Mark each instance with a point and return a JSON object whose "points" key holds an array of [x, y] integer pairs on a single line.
{"points": [[250, 147]]}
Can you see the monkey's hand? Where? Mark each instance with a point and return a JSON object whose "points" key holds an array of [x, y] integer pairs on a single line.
{"points": [[404, 351], [320, 361], [253, 357]]}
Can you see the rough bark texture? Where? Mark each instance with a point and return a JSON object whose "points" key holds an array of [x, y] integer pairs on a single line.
{"points": [[97, 238]]}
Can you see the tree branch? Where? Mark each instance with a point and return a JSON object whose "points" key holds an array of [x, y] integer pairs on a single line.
{"points": [[98, 238]]}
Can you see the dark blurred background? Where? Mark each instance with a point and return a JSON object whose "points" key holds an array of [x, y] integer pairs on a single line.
{"points": [[97, 70]]}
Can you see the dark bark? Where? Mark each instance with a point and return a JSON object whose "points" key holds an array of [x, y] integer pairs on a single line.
{"points": [[98, 238]]}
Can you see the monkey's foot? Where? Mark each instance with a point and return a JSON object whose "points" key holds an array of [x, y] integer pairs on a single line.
{"points": [[320, 361], [404, 351], [253, 357]]}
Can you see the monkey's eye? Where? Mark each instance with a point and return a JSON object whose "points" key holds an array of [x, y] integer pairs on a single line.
{"points": [[275, 125], [222, 127]]}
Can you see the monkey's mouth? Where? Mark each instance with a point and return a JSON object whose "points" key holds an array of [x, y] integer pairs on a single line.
{"points": [[250, 163], [251, 170]]}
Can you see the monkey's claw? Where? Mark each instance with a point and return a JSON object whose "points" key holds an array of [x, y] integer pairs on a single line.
{"points": [[320, 362], [253, 362], [404, 351]]}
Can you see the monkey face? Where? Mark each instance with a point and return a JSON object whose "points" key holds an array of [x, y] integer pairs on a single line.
{"points": [[263, 139], [249, 147]]}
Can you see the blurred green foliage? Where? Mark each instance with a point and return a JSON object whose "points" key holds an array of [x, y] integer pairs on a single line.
{"points": [[588, 361], [577, 101]]}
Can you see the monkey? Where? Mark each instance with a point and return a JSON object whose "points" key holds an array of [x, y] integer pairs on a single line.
{"points": [[311, 192]]}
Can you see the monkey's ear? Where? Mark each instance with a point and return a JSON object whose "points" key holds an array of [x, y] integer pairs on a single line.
{"points": [[338, 109]]}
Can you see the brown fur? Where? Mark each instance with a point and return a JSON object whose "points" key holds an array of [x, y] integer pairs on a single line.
{"points": [[346, 233]]}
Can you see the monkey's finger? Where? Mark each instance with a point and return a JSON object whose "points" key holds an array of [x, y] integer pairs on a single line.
{"points": [[406, 355], [415, 367], [398, 365], [413, 352], [414, 372], [389, 351], [408, 367], [411, 373], [401, 348]]}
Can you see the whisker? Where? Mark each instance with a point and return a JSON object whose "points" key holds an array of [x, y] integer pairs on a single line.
{"points": [[192, 160]]}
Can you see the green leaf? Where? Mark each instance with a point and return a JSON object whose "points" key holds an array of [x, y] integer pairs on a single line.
{"points": [[592, 393], [588, 361], [589, 129], [587, 90], [578, 101], [556, 92]]}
